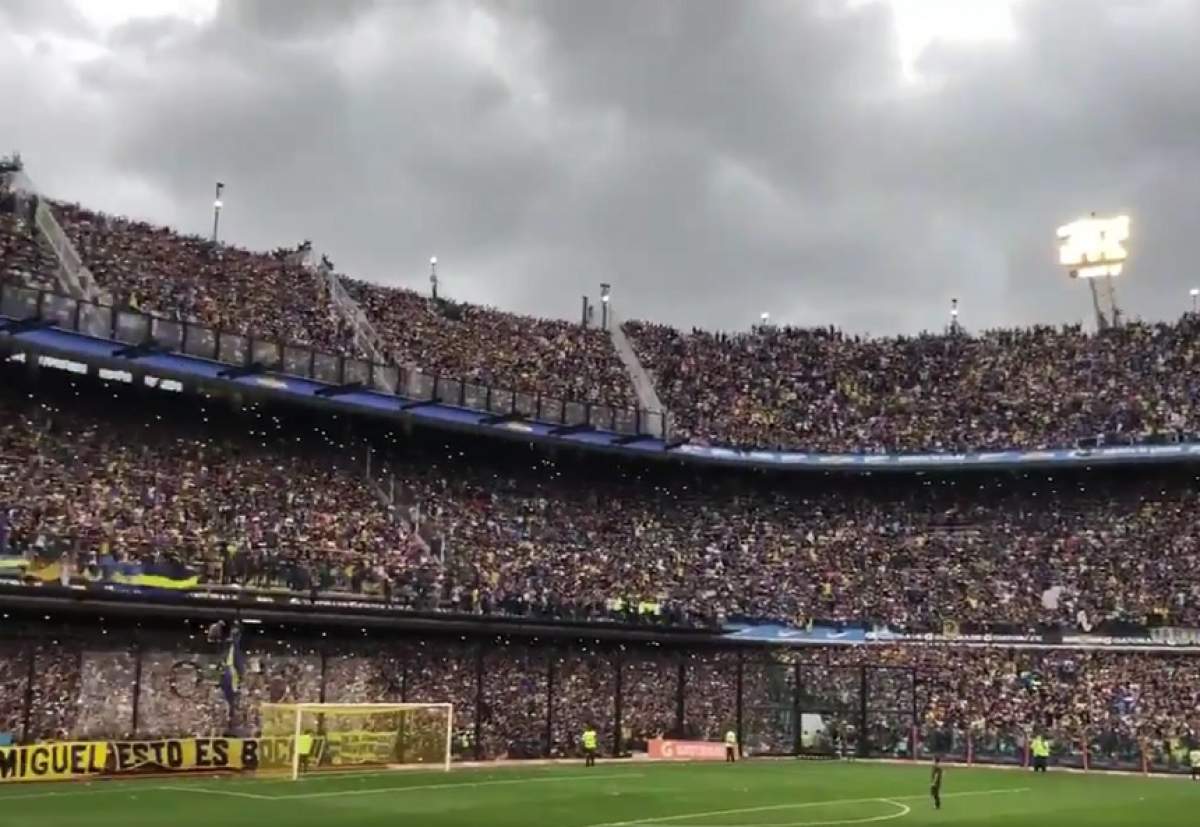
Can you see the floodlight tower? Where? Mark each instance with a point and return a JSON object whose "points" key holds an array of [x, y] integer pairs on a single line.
{"points": [[218, 204], [1094, 249], [605, 297]]}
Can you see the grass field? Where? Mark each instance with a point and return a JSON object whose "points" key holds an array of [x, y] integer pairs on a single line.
{"points": [[750, 794]]}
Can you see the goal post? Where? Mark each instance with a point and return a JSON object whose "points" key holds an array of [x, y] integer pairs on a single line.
{"points": [[302, 738]]}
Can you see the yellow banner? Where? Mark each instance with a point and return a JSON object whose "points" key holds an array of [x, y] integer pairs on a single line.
{"points": [[189, 754], [53, 762], [56, 762], [178, 755], [361, 747]]}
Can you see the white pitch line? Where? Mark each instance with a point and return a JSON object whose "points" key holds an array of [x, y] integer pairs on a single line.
{"points": [[453, 786], [231, 793], [798, 806], [902, 810], [66, 793]]}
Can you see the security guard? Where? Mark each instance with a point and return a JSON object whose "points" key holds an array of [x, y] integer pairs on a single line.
{"points": [[1040, 748], [590, 741], [730, 747], [304, 746], [1194, 758]]}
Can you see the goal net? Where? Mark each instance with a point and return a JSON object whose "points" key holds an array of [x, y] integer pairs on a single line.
{"points": [[307, 738]]}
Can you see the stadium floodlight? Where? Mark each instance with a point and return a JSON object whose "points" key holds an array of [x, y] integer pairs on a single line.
{"points": [[605, 291], [1195, 294], [1092, 249], [218, 204], [433, 280], [311, 737]]}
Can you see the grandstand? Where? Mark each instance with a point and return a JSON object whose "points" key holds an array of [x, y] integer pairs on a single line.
{"points": [[220, 499]]}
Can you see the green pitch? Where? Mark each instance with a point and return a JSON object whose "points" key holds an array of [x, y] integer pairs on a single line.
{"points": [[750, 794]]}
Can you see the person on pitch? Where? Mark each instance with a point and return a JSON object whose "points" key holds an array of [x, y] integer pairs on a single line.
{"points": [[935, 782], [589, 740], [730, 747]]}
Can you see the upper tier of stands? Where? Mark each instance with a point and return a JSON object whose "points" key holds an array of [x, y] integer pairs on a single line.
{"points": [[24, 255], [274, 296], [1024, 388], [486, 346], [814, 390]]}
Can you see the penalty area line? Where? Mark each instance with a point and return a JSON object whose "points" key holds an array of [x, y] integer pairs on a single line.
{"points": [[455, 786], [207, 791], [803, 805]]}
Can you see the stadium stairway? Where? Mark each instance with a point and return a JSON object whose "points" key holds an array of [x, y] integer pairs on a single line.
{"points": [[365, 335], [647, 394], [73, 276]]}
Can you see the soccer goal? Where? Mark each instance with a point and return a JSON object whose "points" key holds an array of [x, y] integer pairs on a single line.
{"points": [[306, 738]]}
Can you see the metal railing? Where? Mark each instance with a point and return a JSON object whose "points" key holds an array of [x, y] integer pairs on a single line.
{"points": [[134, 327]]}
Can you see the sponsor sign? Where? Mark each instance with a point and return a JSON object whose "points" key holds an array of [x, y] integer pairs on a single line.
{"points": [[670, 750]]}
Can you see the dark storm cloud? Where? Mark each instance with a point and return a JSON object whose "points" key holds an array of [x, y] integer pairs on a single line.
{"points": [[710, 159]]}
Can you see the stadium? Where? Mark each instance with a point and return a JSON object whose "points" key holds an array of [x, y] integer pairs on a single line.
{"points": [[283, 544]]}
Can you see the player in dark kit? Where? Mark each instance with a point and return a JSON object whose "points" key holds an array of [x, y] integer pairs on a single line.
{"points": [[935, 782]]}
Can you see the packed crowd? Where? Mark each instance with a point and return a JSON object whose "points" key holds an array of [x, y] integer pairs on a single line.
{"points": [[824, 390], [254, 499], [771, 387], [25, 257], [96, 495], [1117, 704], [274, 296], [155, 270], [558, 359]]}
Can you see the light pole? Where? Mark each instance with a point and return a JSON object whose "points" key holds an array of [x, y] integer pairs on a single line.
{"points": [[433, 276], [1195, 294], [954, 315], [764, 319], [605, 290], [217, 205]]}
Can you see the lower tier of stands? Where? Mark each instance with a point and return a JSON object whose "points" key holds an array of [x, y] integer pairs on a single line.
{"points": [[527, 698]]}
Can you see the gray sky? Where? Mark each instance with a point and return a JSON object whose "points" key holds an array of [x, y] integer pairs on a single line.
{"points": [[855, 163]]}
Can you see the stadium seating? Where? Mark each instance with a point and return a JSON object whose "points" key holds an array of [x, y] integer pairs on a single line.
{"points": [[771, 387], [273, 297], [1117, 704], [824, 390], [259, 500], [485, 346], [25, 258]]}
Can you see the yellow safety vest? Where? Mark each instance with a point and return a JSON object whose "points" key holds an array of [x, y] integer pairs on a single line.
{"points": [[589, 739], [1041, 748], [731, 738]]}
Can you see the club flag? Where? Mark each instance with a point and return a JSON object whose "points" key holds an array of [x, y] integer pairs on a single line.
{"points": [[235, 668]]}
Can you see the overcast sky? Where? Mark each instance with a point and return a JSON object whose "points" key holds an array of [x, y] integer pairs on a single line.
{"points": [[854, 162]]}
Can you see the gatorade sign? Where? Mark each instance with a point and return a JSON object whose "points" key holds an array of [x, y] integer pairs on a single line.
{"points": [[665, 750]]}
